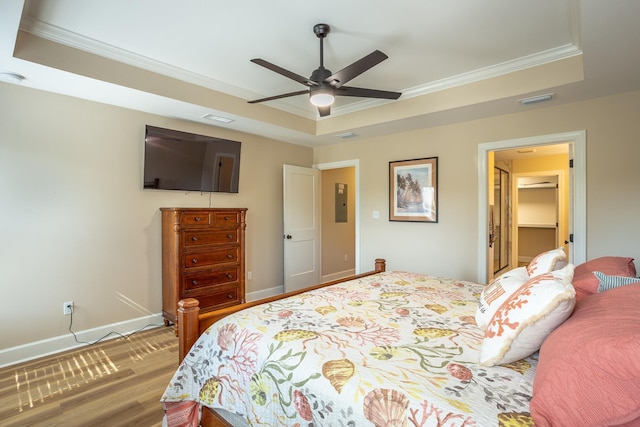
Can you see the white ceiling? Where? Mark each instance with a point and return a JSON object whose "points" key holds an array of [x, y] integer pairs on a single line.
{"points": [[435, 48]]}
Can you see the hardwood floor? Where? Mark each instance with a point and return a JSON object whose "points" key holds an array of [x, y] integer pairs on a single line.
{"points": [[114, 383]]}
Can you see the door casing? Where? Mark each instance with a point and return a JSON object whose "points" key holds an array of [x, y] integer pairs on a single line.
{"points": [[577, 192]]}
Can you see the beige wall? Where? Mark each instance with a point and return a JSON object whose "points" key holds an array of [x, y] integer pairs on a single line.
{"points": [[76, 225], [450, 247], [533, 241], [338, 238]]}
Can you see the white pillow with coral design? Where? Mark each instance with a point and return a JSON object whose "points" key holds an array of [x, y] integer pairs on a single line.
{"points": [[497, 292], [519, 327], [546, 262]]}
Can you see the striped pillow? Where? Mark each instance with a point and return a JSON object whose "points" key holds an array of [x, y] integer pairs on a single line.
{"points": [[609, 282]]}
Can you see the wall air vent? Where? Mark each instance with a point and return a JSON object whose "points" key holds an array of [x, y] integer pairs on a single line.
{"points": [[346, 135], [215, 118]]}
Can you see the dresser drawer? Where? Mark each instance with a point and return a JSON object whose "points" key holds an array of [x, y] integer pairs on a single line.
{"points": [[202, 237], [197, 218], [222, 298], [200, 280], [213, 257], [226, 219]]}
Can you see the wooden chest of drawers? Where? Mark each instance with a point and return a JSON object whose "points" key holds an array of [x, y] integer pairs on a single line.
{"points": [[202, 258]]}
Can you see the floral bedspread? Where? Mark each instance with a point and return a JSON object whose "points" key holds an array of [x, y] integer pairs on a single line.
{"points": [[392, 349]]}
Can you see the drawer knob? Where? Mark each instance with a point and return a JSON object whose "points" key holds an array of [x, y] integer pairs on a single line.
{"points": [[194, 238], [230, 296], [229, 276], [194, 260], [229, 256], [227, 218], [197, 218], [194, 282], [229, 236]]}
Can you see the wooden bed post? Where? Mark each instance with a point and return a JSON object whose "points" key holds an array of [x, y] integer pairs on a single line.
{"points": [[188, 330], [381, 265]]}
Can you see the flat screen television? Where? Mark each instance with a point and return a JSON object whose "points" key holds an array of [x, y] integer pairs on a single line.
{"points": [[175, 160]]}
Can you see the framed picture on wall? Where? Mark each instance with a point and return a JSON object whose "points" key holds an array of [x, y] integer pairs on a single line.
{"points": [[413, 190]]}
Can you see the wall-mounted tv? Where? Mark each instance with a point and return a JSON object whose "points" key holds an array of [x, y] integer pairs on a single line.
{"points": [[175, 160]]}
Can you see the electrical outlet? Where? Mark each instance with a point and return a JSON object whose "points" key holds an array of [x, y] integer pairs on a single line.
{"points": [[249, 275], [67, 307]]}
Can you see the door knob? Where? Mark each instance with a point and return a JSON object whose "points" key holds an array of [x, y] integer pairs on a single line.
{"points": [[288, 236]]}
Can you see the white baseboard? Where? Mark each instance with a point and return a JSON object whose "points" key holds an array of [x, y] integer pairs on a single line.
{"points": [[37, 349], [253, 296], [338, 275], [277, 290], [34, 350]]}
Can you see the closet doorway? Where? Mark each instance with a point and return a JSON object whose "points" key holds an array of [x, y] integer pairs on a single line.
{"points": [[529, 212], [540, 201], [340, 242], [338, 236]]}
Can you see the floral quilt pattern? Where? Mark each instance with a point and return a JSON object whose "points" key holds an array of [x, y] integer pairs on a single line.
{"points": [[392, 349]]}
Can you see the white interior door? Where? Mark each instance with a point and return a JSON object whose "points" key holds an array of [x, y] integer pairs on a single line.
{"points": [[302, 218]]}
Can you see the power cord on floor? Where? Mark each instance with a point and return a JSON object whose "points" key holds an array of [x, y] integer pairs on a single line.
{"points": [[124, 336]]}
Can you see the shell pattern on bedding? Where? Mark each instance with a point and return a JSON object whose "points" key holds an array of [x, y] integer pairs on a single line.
{"points": [[392, 349]]}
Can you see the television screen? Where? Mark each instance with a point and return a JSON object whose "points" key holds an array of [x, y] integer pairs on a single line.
{"points": [[175, 160]]}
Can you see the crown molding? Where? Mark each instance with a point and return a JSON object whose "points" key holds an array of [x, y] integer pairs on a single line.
{"points": [[77, 41]]}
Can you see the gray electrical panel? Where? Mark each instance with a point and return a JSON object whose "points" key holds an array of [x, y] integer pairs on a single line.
{"points": [[341, 202]]}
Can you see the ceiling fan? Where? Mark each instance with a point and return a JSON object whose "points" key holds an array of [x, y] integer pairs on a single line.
{"points": [[325, 86]]}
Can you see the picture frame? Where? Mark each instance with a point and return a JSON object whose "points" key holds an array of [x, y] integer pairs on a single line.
{"points": [[413, 190]]}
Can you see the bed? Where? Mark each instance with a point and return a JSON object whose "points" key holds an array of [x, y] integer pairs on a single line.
{"points": [[379, 349]]}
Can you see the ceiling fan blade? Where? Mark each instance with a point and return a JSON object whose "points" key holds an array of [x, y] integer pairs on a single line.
{"points": [[367, 93], [355, 69], [293, 76], [324, 111], [284, 95]]}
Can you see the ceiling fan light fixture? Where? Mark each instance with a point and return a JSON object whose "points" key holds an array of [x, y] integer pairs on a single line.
{"points": [[322, 97]]}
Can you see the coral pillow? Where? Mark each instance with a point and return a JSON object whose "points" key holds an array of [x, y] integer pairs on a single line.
{"points": [[523, 321], [588, 372], [546, 262], [586, 283], [497, 292]]}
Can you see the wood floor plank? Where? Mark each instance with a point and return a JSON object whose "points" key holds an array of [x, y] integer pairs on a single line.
{"points": [[118, 382]]}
